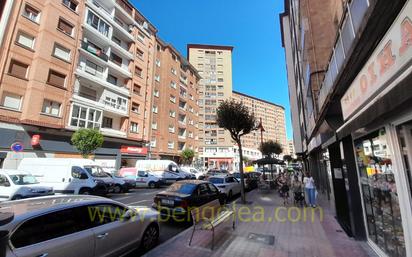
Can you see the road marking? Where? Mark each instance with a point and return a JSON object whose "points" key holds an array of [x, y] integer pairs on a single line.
{"points": [[142, 201], [122, 198]]}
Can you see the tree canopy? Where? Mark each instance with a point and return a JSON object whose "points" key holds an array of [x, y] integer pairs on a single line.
{"points": [[187, 156], [86, 141], [270, 148], [287, 158]]}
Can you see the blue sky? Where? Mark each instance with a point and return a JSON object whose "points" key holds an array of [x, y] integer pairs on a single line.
{"points": [[252, 27]]}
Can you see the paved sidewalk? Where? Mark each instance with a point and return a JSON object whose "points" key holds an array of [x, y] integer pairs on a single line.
{"points": [[275, 234]]}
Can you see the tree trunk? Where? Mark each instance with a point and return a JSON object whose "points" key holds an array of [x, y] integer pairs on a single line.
{"points": [[242, 177]]}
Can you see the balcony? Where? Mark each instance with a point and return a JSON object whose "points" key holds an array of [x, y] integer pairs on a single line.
{"points": [[125, 8], [113, 132], [124, 28], [121, 49], [91, 48], [115, 108], [120, 68]]}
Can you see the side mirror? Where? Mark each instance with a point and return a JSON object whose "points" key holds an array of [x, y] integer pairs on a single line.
{"points": [[128, 215]]}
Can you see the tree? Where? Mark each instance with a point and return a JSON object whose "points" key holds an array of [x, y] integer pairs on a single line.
{"points": [[246, 160], [187, 156], [287, 158], [270, 148], [236, 118], [86, 141]]}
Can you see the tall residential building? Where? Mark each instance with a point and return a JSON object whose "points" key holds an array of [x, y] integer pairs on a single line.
{"points": [[5, 10], [214, 64], [291, 149], [71, 64], [350, 83], [273, 121], [175, 110]]}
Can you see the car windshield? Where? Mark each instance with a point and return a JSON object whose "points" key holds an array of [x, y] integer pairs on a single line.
{"points": [[216, 180], [182, 188], [23, 179], [95, 171], [236, 175]]}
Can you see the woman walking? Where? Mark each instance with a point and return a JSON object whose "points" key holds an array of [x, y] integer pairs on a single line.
{"points": [[310, 189]]}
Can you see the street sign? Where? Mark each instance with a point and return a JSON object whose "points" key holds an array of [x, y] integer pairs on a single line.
{"points": [[17, 147]]}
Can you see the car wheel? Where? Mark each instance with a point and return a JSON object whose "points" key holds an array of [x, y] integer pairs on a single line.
{"points": [[152, 184], [84, 191], [230, 195], [117, 189], [17, 197], [150, 237]]}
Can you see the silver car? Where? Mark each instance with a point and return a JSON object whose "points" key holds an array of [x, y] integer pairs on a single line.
{"points": [[74, 226]]}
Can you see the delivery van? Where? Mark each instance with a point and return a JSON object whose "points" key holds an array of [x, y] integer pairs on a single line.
{"points": [[165, 170], [64, 175]]}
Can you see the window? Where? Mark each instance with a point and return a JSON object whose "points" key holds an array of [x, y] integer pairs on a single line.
{"points": [[51, 108], [138, 72], [4, 182], [154, 125], [134, 127], [173, 84], [18, 69], [56, 78], [140, 36], [157, 78], [139, 53], [93, 69], [116, 40], [31, 13], [11, 101], [112, 79], [172, 99], [137, 89], [172, 114], [135, 107], [72, 5], [94, 21], [61, 52], [65, 27], [153, 142], [173, 71], [157, 62], [174, 57], [107, 122], [116, 59], [156, 93], [155, 109], [84, 117], [171, 129], [25, 40], [171, 145]]}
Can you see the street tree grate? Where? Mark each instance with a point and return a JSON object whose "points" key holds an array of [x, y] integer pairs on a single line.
{"points": [[260, 238]]}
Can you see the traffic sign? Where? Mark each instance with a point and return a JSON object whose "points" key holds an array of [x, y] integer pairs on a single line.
{"points": [[17, 147]]}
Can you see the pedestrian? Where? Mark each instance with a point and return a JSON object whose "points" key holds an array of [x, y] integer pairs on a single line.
{"points": [[310, 189]]}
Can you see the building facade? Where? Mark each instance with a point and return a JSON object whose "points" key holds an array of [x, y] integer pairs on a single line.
{"points": [[70, 64], [349, 72], [214, 64], [291, 149], [272, 117], [175, 110]]}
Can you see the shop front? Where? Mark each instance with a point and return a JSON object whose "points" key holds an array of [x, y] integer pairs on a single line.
{"points": [[378, 118]]}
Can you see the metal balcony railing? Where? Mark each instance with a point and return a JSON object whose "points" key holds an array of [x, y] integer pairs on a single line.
{"points": [[95, 51]]}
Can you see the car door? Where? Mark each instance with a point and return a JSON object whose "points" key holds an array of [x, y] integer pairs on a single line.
{"points": [[215, 193], [58, 234], [6, 189], [114, 234], [141, 179], [202, 195], [234, 185]]}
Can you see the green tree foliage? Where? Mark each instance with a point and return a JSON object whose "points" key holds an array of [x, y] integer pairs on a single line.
{"points": [[270, 148], [287, 158], [187, 156], [86, 141], [236, 118]]}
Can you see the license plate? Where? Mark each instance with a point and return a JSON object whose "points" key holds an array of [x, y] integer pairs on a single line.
{"points": [[167, 202]]}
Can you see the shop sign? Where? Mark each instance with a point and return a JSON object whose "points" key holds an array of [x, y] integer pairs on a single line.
{"points": [[391, 56], [133, 150], [17, 147]]}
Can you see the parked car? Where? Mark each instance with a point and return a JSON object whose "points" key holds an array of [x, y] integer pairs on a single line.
{"points": [[73, 226], [214, 172], [196, 174], [142, 178], [125, 184], [176, 200], [64, 175], [228, 185], [16, 184], [167, 171], [251, 179]]}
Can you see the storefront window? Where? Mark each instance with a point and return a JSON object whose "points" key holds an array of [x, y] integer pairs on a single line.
{"points": [[380, 195], [405, 140]]}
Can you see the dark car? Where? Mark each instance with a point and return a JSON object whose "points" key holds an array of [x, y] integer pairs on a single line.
{"points": [[180, 197], [251, 179]]}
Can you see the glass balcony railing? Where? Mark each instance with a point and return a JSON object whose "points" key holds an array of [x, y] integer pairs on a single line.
{"points": [[115, 106]]}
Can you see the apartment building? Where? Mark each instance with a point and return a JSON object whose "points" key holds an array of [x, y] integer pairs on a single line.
{"points": [[214, 64], [175, 110], [349, 74], [291, 149], [5, 10], [71, 64], [273, 121]]}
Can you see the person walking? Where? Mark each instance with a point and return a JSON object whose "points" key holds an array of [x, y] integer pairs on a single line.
{"points": [[310, 189]]}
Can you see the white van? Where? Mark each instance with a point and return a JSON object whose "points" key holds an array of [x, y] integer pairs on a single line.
{"points": [[16, 184], [66, 176], [167, 171]]}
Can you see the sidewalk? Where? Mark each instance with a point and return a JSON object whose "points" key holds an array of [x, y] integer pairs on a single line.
{"points": [[275, 235]]}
